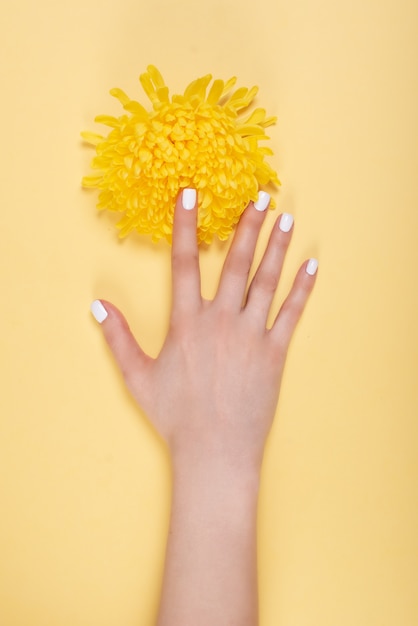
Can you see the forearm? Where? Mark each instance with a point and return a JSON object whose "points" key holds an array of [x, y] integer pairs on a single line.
{"points": [[211, 562]]}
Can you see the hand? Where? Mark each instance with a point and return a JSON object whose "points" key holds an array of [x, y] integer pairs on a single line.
{"points": [[214, 387], [212, 393]]}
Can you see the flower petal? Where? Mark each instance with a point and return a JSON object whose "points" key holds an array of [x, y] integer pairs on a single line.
{"points": [[155, 76], [120, 95], [92, 138], [215, 92]]}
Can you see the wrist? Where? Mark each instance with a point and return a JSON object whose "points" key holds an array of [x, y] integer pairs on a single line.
{"points": [[215, 454], [211, 499], [217, 471]]}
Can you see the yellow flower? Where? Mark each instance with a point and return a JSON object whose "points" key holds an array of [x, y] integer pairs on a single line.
{"points": [[198, 140]]}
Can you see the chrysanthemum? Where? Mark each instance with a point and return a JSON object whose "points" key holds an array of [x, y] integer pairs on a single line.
{"points": [[198, 139]]}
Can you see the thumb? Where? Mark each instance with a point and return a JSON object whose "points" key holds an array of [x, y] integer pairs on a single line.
{"points": [[131, 359]]}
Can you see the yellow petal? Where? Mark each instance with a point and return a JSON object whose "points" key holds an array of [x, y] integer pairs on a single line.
{"points": [[256, 117], [162, 93], [108, 120], [155, 76], [91, 181], [92, 138], [229, 84], [215, 92], [198, 88], [137, 109], [148, 87], [238, 94], [269, 121], [248, 129], [120, 95]]}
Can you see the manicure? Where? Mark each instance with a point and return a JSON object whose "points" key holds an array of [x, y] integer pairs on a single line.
{"points": [[286, 222], [263, 201], [311, 267], [98, 310], [188, 199]]}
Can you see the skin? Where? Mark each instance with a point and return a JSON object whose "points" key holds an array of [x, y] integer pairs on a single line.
{"points": [[212, 394]]}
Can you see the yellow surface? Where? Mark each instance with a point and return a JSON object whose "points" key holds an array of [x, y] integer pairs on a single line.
{"points": [[84, 485]]}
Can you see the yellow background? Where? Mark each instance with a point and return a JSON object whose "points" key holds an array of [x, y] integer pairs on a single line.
{"points": [[84, 481]]}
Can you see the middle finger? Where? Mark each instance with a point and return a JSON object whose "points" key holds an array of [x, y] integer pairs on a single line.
{"points": [[238, 262]]}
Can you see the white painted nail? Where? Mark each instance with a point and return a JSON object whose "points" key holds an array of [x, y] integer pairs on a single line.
{"points": [[263, 201], [98, 310], [286, 222], [312, 267], [188, 199]]}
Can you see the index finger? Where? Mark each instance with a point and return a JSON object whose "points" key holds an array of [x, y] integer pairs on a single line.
{"points": [[185, 253]]}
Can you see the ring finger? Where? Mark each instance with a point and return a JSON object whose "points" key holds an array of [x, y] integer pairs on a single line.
{"points": [[264, 284]]}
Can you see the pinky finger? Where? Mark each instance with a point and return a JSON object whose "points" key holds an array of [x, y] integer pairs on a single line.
{"points": [[294, 305]]}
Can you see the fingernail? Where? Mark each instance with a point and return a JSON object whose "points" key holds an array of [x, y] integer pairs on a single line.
{"points": [[98, 310], [263, 201], [188, 199], [311, 267], [286, 222]]}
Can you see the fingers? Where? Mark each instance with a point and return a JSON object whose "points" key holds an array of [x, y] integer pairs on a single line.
{"points": [[293, 306], [185, 254], [131, 359], [240, 256], [264, 284]]}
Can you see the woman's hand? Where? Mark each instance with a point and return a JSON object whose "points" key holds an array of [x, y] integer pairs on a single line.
{"points": [[213, 389], [212, 393]]}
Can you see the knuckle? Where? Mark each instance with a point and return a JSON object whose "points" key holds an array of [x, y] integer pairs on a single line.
{"points": [[266, 282], [183, 261], [238, 264], [293, 307]]}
